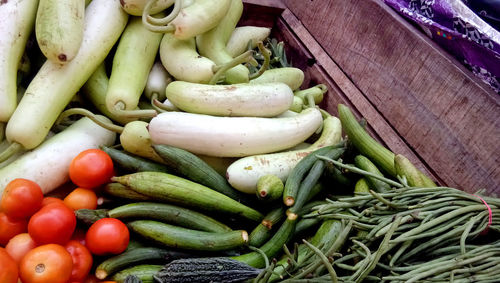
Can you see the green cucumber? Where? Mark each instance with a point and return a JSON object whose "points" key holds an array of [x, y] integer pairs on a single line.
{"points": [[133, 163], [144, 272], [121, 191], [270, 187], [312, 178], [170, 188], [273, 246], [414, 177], [168, 213], [364, 143], [264, 230], [196, 170], [295, 178], [90, 216], [134, 257], [214, 269], [178, 237], [364, 163]]}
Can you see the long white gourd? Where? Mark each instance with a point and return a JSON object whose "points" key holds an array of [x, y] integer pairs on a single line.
{"points": [[241, 36], [244, 173], [252, 100], [54, 85], [17, 18], [232, 136], [48, 164]]}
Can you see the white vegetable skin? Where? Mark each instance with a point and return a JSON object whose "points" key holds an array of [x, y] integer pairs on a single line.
{"points": [[244, 173], [53, 86], [158, 80], [252, 100], [48, 164], [136, 7], [238, 42], [17, 18], [232, 136], [293, 77]]}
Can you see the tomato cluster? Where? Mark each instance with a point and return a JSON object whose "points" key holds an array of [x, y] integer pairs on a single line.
{"points": [[39, 241]]}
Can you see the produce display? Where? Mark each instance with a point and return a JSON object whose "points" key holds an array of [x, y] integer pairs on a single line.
{"points": [[155, 141]]}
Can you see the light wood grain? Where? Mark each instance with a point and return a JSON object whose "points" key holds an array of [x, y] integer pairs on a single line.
{"points": [[447, 116]]}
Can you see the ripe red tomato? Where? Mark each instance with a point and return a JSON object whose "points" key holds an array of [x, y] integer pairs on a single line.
{"points": [[9, 227], [8, 268], [107, 236], [21, 198], [82, 260], [91, 168], [19, 246], [47, 263], [53, 224], [81, 198], [49, 200]]}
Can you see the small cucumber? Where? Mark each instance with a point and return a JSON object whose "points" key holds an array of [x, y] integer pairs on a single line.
{"points": [[362, 186], [273, 246], [299, 171], [196, 170], [317, 93], [414, 177], [293, 77], [270, 188], [133, 163], [364, 163], [264, 230], [90, 216], [312, 178], [170, 188], [134, 257], [364, 143], [178, 237], [144, 272], [169, 213]]}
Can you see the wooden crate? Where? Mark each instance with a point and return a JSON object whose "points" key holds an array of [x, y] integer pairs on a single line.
{"points": [[417, 99]]}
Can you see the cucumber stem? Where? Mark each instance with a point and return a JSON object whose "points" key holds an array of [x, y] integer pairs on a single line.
{"points": [[220, 70], [84, 112], [119, 110], [12, 149], [267, 59], [146, 17]]}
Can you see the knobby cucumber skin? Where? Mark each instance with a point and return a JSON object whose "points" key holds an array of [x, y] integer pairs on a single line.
{"points": [[178, 237], [170, 188], [168, 213], [54, 85]]}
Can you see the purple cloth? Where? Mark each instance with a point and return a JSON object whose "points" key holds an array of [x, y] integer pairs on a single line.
{"points": [[458, 30]]}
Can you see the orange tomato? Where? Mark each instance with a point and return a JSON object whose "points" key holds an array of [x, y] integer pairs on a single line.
{"points": [[91, 168], [8, 268], [47, 263], [21, 198], [19, 246], [81, 198], [49, 200], [9, 227], [82, 260]]}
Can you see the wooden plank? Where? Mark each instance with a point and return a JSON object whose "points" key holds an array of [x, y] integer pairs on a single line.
{"points": [[444, 113], [344, 91]]}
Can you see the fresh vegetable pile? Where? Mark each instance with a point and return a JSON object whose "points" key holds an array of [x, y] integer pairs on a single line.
{"points": [[224, 170]]}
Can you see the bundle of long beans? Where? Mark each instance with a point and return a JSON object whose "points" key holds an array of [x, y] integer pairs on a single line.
{"points": [[409, 234]]}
